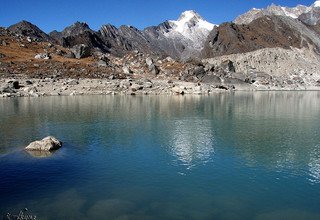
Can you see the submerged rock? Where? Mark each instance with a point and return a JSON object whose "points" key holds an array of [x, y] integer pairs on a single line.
{"points": [[40, 154], [47, 144], [22, 215]]}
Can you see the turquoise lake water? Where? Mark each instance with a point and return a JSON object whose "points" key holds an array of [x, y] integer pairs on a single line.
{"points": [[225, 156]]}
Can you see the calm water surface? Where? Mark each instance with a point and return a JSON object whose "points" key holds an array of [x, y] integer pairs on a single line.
{"points": [[227, 156]]}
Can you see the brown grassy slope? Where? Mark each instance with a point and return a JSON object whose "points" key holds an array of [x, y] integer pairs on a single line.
{"points": [[19, 59], [264, 32]]}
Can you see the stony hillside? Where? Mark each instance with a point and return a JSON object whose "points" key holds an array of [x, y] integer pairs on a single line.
{"points": [[272, 68]]}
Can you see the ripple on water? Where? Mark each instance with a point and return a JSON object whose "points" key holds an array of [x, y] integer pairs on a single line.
{"points": [[226, 156]]}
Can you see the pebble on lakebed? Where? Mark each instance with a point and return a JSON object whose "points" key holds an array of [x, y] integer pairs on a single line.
{"points": [[47, 144]]}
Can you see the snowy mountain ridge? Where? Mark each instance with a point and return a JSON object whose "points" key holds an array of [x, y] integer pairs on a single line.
{"points": [[293, 12]]}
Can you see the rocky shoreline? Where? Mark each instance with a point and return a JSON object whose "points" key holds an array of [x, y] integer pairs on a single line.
{"points": [[35, 87]]}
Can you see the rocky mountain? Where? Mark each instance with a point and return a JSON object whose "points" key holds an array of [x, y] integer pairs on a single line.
{"points": [[276, 46], [73, 30], [231, 38], [311, 17], [80, 33], [25, 28], [113, 37], [273, 27], [294, 12], [191, 26], [184, 37], [190, 36], [180, 39]]}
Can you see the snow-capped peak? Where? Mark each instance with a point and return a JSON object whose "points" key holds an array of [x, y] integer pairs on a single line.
{"points": [[188, 20], [191, 30], [316, 4], [188, 15]]}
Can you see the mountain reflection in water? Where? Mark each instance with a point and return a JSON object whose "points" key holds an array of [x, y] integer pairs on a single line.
{"points": [[192, 141]]}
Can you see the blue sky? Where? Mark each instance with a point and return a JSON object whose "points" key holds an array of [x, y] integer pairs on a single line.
{"points": [[57, 14]]}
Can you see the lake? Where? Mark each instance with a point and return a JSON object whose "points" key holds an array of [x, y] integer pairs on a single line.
{"points": [[243, 155]]}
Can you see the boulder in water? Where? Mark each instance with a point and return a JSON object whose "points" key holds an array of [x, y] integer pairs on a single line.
{"points": [[47, 144]]}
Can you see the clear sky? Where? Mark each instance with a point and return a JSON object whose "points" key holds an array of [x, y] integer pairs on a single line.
{"points": [[57, 14]]}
